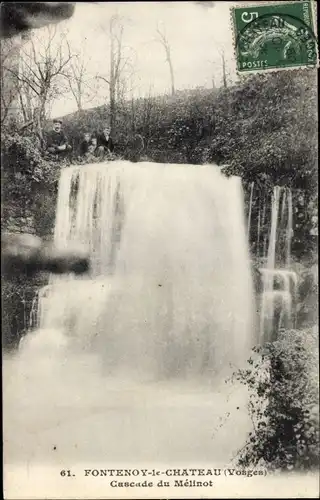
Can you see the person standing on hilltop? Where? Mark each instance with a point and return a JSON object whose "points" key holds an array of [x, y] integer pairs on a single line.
{"points": [[104, 143], [56, 140]]}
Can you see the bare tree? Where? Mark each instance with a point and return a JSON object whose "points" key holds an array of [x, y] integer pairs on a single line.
{"points": [[76, 79], [10, 53], [80, 83], [224, 74], [115, 62], [120, 64], [116, 34], [44, 61], [165, 43], [220, 54], [26, 101]]}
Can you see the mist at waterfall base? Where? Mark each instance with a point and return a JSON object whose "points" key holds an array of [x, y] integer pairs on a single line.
{"points": [[165, 315]]}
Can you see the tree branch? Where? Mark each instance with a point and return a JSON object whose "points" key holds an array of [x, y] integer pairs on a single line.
{"points": [[103, 78]]}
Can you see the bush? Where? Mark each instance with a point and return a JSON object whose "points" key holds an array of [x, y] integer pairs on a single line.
{"points": [[307, 306], [29, 181], [266, 130], [28, 205], [17, 301], [263, 129], [284, 404]]}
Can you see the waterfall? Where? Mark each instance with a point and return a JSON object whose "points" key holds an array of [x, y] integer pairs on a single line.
{"points": [[263, 217], [271, 260], [170, 291], [250, 209], [258, 233], [289, 229], [283, 207], [279, 281]]}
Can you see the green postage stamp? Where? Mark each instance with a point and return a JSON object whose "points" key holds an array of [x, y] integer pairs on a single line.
{"points": [[275, 35]]}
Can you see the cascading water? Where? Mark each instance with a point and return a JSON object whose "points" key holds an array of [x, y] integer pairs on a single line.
{"points": [[258, 233], [263, 217], [279, 281], [170, 292], [250, 208], [290, 228]]}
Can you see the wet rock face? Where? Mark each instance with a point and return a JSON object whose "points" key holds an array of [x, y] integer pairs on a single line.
{"points": [[18, 18], [25, 254]]}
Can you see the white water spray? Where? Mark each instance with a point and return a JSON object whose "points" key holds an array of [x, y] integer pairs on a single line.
{"points": [[170, 292]]}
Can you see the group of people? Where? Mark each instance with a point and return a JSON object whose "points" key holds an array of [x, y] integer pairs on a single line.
{"points": [[96, 145]]}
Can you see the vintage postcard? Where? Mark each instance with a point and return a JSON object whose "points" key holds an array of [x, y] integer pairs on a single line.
{"points": [[160, 250]]}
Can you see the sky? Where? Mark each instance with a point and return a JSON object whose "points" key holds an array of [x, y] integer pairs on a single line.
{"points": [[197, 34]]}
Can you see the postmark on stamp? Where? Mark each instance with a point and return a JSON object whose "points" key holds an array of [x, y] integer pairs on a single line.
{"points": [[274, 36]]}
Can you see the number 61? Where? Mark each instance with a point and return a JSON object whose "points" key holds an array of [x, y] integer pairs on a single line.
{"points": [[253, 15]]}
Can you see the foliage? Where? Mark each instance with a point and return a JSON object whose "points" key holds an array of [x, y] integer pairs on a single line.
{"points": [[265, 129], [308, 292], [89, 159], [27, 176], [172, 126], [28, 205], [282, 379], [17, 301]]}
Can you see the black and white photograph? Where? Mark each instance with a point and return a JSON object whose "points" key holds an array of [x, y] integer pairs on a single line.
{"points": [[159, 256]]}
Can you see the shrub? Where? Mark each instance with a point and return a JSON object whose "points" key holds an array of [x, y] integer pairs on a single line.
{"points": [[266, 129], [307, 306], [17, 302], [26, 176], [282, 379], [28, 205]]}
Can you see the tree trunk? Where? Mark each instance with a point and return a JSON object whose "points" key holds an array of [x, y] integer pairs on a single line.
{"points": [[171, 72], [79, 103], [39, 118], [112, 86], [164, 42], [133, 116], [23, 109], [224, 75]]}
